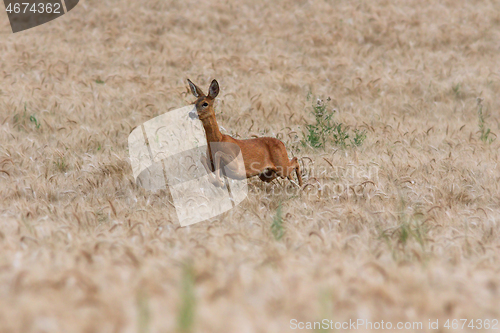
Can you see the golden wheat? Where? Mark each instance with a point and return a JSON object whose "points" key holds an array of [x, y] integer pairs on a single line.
{"points": [[404, 228]]}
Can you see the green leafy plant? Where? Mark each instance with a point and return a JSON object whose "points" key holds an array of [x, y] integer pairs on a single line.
{"points": [[327, 130], [484, 132], [340, 136], [186, 315], [277, 225], [359, 137], [410, 229], [20, 120], [457, 90], [316, 135], [34, 120]]}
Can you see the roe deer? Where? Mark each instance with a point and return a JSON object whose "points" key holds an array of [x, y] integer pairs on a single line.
{"points": [[265, 156]]}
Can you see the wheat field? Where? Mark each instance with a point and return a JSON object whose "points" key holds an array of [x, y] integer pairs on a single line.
{"points": [[402, 228]]}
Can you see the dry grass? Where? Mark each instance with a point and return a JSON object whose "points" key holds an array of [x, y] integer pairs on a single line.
{"points": [[83, 249]]}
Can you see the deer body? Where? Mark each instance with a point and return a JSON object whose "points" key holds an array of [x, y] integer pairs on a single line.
{"points": [[264, 157]]}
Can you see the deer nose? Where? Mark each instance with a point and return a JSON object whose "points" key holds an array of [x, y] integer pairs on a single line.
{"points": [[193, 114]]}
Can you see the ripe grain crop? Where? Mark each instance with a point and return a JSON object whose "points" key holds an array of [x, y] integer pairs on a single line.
{"points": [[403, 227]]}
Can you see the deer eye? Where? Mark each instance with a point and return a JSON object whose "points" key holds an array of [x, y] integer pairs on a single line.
{"points": [[205, 104]]}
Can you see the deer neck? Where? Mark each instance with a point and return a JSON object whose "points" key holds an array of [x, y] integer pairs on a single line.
{"points": [[212, 131]]}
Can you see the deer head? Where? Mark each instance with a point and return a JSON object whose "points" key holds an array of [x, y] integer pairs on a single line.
{"points": [[204, 103]]}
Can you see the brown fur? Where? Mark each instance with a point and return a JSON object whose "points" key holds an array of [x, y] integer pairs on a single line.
{"points": [[264, 157]]}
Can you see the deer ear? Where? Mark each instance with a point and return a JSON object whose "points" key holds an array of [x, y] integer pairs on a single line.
{"points": [[195, 90], [213, 91]]}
